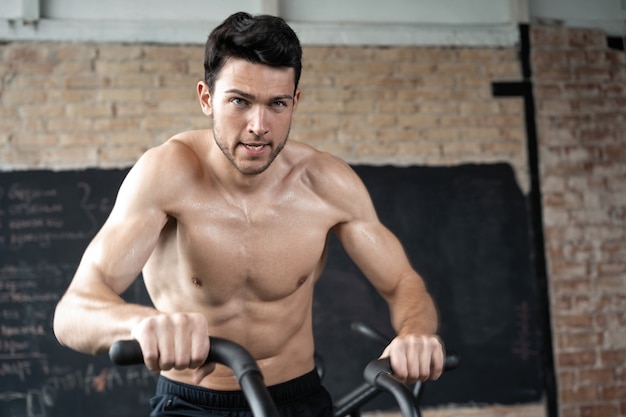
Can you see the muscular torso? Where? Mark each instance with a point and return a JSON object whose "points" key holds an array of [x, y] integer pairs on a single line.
{"points": [[249, 263]]}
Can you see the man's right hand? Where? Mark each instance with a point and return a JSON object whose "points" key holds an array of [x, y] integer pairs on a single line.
{"points": [[174, 341]]}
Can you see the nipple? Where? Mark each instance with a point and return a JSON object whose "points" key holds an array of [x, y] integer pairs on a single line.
{"points": [[196, 281]]}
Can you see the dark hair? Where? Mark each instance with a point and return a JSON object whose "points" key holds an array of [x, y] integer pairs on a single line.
{"points": [[259, 39]]}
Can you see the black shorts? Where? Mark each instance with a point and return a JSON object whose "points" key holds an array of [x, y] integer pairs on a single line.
{"points": [[303, 397]]}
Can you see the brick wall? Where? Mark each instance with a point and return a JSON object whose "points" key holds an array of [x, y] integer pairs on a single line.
{"points": [[67, 105], [580, 92]]}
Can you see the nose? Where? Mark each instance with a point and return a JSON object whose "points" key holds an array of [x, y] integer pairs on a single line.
{"points": [[259, 123]]}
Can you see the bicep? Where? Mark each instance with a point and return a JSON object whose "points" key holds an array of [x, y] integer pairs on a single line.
{"points": [[376, 251], [118, 252]]}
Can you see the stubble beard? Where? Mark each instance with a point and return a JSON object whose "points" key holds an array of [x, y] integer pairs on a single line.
{"points": [[249, 170]]}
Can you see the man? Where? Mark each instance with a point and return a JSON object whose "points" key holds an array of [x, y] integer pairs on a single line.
{"points": [[229, 227]]}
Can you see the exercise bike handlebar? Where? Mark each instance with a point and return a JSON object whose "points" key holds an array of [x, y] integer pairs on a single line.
{"points": [[231, 354], [378, 378], [379, 375]]}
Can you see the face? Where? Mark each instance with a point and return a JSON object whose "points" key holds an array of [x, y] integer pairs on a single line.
{"points": [[252, 106]]}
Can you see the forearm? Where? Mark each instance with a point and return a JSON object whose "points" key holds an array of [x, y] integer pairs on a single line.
{"points": [[412, 309], [90, 324]]}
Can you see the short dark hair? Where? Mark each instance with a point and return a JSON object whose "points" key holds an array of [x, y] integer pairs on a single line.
{"points": [[261, 39]]}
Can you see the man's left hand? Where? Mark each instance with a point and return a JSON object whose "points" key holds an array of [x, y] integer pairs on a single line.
{"points": [[416, 357]]}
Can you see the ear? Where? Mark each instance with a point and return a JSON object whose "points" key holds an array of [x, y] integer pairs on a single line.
{"points": [[296, 99], [205, 98]]}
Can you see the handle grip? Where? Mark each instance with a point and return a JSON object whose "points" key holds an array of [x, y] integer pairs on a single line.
{"points": [[231, 354], [379, 375]]}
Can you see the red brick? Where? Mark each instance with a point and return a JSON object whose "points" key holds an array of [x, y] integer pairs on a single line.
{"points": [[568, 286], [116, 67], [120, 156], [605, 320], [576, 359], [547, 59], [567, 378], [599, 411], [614, 152], [27, 52], [543, 36], [582, 89], [114, 124], [579, 339], [584, 38], [567, 410], [606, 269], [609, 393], [614, 250], [543, 91], [163, 52], [569, 269], [76, 52], [613, 89], [596, 376], [573, 321], [592, 73], [579, 395]]}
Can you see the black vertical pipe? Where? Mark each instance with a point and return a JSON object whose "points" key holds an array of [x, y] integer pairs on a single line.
{"points": [[524, 89]]}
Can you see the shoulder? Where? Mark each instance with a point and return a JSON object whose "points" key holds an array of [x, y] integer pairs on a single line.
{"points": [[320, 169], [333, 180], [179, 152], [165, 169], [315, 162], [178, 156]]}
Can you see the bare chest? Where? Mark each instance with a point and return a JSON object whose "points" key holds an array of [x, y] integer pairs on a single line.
{"points": [[262, 252]]}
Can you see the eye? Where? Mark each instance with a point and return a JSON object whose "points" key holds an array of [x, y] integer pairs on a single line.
{"points": [[238, 101], [279, 104]]}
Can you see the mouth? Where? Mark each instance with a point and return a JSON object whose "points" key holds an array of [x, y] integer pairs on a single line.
{"points": [[254, 147]]}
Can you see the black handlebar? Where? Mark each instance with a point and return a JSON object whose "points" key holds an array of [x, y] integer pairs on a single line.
{"points": [[233, 355], [378, 374], [379, 377]]}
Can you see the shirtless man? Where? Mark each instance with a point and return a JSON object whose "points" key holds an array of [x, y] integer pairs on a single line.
{"points": [[229, 226]]}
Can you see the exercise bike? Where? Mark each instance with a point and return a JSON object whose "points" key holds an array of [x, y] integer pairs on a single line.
{"points": [[377, 374]]}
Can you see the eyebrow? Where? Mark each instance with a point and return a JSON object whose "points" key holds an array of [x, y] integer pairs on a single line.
{"points": [[252, 96]]}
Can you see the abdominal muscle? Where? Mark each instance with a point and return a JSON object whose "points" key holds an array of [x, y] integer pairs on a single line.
{"points": [[278, 359], [281, 343], [277, 332]]}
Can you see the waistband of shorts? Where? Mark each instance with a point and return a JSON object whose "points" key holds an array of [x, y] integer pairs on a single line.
{"points": [[204, 397]]}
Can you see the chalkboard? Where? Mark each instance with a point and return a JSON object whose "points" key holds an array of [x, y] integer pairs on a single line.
{"points": [[464, 228], [47, 219]]}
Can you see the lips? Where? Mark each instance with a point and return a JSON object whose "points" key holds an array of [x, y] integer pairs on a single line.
{"points": [[254, 149]]}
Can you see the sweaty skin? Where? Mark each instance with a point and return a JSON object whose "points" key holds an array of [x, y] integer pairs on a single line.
{"points": [[229, 227]]}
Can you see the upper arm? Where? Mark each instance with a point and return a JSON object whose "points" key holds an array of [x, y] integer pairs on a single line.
{"points": [[371, 245], [118, 252], [380, 256], [377, 252]]}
